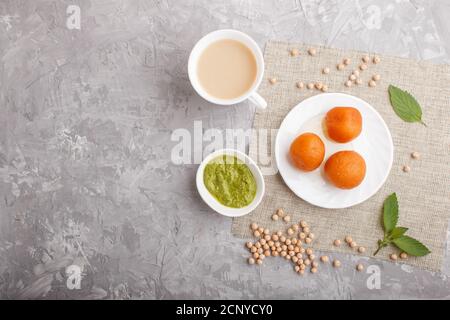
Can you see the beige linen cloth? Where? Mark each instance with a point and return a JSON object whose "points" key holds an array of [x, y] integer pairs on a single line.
{"points": [[423, 193]]}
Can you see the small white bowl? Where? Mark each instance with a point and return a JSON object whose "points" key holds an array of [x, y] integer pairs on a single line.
{"points": [[216, 205]]}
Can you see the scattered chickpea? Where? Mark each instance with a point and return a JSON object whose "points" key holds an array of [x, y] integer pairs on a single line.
{"points": [[353, 244], [393, 256], [311, 257], [297, 268], [300, 256], [279, 249], [262, 241], [292, 253], [376, 59], [355, 73], [283, 239], [302, 250], [324, 259], [361, 249], [296, 249], [294, 259], [365, 59], [300, 85], [352, 77], [372, 83], [302, 235], [403, 255], [249, 245], [279, 233], [273, 80], [290, 231], [340, 66], [348, 83], [308, 240], [406, 168], [254, 226], [313, 270], [258, 245], [294, 241], [302, 266], [284, 247], [262, 257], [415, 155], [306, 230], [256, 255], [358, 81], [283, 253], [287, 218], [267, 253], [259, 261], [337, 243], [266, 247], [251, 261], [310, 85], [261, 230], [376, 77], [359, 267], [346, 61], [311, 235], [348, 239], [324, 88], [266, 231], [288, 242], [309, 251], [363, 67], [307, 262], [260, 251], [294, 52], [326, 70], [314, 264], [336, 263], [295, 227], [303, 224], [312, 51], [301, 272], [275, 253], [256, 233], [280, 213], [319, 85], [288, 257], [267, 237], [275, 237], [253, 249]]}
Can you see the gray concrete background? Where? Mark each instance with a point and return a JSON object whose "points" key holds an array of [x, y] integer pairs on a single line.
{"points": [[85, 171]]}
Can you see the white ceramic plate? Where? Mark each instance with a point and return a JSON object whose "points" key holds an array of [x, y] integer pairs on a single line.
{"points": [[374, 144], [216, 205]]}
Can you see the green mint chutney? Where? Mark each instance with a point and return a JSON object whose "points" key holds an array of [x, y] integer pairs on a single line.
{"points": [[230, 181]]}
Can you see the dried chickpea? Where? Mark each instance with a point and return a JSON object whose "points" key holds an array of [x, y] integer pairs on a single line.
{"points": [[363, 67], [348, 239], [340, 66], [310, 85], [267, 253], [294, 52], [291, 247], [291, 253], [287, 218], [324, 88], [294, 259], [279, 249], [346, 61], [262, 241], [348, 83], [290, 231], [302, 266], [311, 257], [287, 257], [312, 51], [261, 230], [353, 244], [266, 247], [253, 249], [324, 259], [376, 77], [270, 243], [358, 81], [337, 242], [296, 268], [403, 255], [306, 230], [273, 248], [308, 240], [299, 255], [309, 251], [372, 83], [296, 249], [249, 244], [393, 256], [256, 255], [259, 261], [266, 231], [336, 263], [376, 59], [254, 226], [275, 253], [361, 249], [302, 235], [258, 244], [280, 213], [256, 233], [355, 72], [279, 233], [294, 241], [300, 85], [251, 261], [311, 235], [326, 70], [315, 264], [365, 59], [275, 237], [283, 239], [273, 80], [318, 85], [295, 227], [277, 244], [260, 250], [359, 267], [267, 237], [406, 168], [284, 247], [415, 155], [313, 270], [307, 262], [283, 253], [302, 250]]}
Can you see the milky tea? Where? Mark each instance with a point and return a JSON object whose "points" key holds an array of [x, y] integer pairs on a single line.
{"points": [[227, 69]]}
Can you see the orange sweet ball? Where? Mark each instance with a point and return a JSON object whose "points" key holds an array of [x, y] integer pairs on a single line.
{"points": [[343, 124], [307, 151], [345, 169]]}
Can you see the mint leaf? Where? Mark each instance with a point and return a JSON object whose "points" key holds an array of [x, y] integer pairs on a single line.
{"points": [[390, 213], [405, 105], [397, 232], [411, 246]]}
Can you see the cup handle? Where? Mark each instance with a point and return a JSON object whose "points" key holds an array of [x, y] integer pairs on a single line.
{"points": [[259, 101]]}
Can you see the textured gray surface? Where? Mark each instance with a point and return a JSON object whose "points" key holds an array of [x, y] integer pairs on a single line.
{"points": [[85, 171]]}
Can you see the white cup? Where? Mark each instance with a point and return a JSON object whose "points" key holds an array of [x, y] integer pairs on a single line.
{"points": [[214, 36]]}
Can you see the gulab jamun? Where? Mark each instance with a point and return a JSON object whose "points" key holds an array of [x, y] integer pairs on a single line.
{"points": [[343, 124], [345, 169], [307, 151]]}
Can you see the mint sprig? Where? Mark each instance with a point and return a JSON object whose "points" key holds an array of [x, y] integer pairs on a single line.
{"points": [[396, 235]]}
